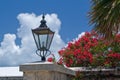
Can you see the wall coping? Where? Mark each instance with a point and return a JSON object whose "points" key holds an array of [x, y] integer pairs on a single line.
{"points": [[85, 69], [46, 66]]}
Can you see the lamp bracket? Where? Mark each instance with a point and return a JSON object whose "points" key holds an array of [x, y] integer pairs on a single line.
{"points": [[43, 53]]}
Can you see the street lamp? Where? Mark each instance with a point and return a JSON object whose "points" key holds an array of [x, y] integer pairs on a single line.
{"points": [[43, 37]]}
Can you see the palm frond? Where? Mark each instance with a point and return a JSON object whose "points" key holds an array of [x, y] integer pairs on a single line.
{"points": [[105, 17]]}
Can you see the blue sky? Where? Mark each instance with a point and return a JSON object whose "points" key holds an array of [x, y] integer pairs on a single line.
{"points": [[73, 14], [73, 17]]}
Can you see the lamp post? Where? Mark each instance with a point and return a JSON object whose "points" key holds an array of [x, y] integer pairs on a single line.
{"points": [[43, 37]]}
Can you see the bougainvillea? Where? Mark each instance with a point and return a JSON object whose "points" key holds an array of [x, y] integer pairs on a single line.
{"points": [[113, 59], [51, 58], [77, 52], [90, 50]]}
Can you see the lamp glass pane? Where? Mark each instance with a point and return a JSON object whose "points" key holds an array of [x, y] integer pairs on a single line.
{"points": [[49, 40], [36, 38], [43, 41]]}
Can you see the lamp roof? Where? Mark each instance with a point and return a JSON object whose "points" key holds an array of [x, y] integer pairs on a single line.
{"points": [[43, 22]]}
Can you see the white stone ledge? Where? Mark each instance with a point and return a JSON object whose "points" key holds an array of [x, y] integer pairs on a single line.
{"points": [[84, 69], [46, 66]]}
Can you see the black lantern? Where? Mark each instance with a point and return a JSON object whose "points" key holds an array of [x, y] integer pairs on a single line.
{"points": [[43, 37]]}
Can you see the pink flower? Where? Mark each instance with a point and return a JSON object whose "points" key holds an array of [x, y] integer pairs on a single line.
{"points": [[90, 49], [50, 59]]}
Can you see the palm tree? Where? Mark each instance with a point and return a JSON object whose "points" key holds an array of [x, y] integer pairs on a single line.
{"points": [[105, 17]]}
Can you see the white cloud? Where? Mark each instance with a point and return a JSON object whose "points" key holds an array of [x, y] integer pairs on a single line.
{"points": [[75, 39], [8, 44], [79, 36], [12, 54]]}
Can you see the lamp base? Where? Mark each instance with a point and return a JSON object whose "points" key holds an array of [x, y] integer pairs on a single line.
{"points": [[43, 58]]}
